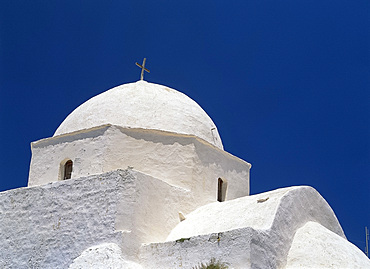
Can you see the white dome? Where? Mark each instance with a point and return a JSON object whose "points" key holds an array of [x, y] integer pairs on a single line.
{"points": [[143, 105]]}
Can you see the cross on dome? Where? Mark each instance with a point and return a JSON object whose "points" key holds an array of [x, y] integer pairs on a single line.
{"points": [[142, 69]]}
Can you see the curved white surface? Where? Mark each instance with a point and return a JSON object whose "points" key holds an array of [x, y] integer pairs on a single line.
{"points": [[143, 105], [264, 211], [229, 215], [314, 246], [107, 255]]}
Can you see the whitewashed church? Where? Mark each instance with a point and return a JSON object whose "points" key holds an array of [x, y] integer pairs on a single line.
{"points": [[137, 177]]}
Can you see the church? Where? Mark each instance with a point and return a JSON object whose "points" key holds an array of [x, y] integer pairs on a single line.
{"points": [[137, 177]]}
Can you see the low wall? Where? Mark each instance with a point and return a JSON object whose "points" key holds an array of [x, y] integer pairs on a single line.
{"points": [[48, 226], [232, 248]]}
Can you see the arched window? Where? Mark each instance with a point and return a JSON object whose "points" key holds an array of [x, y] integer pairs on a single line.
{"points": [[221, 190], [67, 170]]}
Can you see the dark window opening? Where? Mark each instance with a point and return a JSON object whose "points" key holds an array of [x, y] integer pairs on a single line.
{"points": [[221, 190], [68, 170]]}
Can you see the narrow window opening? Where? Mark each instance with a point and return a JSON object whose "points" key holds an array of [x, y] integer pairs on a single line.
{"points": [[221, 190], [68, 170]]}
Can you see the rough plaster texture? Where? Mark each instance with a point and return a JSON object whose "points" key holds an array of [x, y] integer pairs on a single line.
{"points": [[314, 246], [148, 211], [107, 256], [87, 222], [85, 149], [232, 247], [305, 202], [270, 224], [49, 226], [181, 160], [143, 105]]}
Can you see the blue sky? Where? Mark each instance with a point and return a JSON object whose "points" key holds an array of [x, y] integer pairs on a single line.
{"points": [[286, 82]]}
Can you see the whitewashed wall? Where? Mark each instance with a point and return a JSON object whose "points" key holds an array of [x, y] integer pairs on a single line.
{"points": [[249, 232], [84, 148], [49, 226], [181, 160], [53, 225]]}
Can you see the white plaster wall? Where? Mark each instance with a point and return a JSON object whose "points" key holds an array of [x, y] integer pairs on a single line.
{"points": [[123, 207], [148, 211], [183, 161], [157, 207], [49, 226], [232, 247], [273, 221], [53, 225], [229, 215], [180, 160], [314, 246], [249, 212], [86, 150], [212, 163], [161, 154]]}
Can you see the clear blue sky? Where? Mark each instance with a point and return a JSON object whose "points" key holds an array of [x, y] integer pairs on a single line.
{"points": [[286, 82]]}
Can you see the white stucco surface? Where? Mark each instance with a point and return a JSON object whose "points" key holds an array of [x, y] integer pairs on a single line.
{"points": [[104, 256], [271, 219], [181, 160], [122, 218], [143, 105], [249, 232], [269, 210], [232, 247], [314, 246], [49, 226]]}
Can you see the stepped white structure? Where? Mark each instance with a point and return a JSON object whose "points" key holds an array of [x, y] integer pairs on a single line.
{"points": [[137, 177]]}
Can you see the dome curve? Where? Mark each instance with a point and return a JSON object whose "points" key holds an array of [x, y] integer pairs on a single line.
{"points": [[143, 105]]}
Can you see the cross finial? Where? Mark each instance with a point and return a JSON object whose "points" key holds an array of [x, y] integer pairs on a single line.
{"points": [[142, 69]]}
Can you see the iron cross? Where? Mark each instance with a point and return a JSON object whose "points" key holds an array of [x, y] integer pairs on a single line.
{"points": [[142, 69]]}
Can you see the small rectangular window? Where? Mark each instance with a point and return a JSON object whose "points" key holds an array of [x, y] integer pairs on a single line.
{"points": [[221, 190], [68, 169]]}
